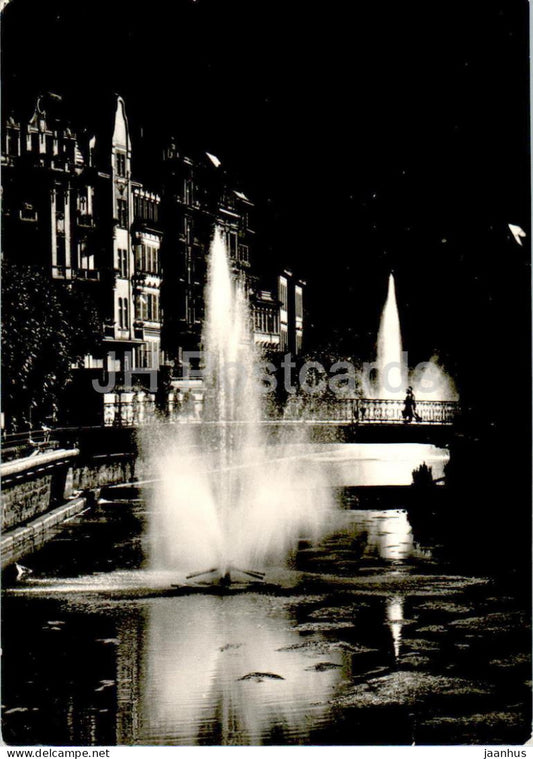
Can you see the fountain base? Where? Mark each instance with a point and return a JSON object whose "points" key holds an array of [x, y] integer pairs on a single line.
{"points": [[215, 578]]}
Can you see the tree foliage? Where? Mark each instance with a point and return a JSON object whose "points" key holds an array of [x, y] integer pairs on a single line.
{"points": [[47, 328]]}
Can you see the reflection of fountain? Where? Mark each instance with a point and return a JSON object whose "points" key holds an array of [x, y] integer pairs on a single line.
{"points": [[201, 686], [429, 380], [395, 621], [225, 498]]}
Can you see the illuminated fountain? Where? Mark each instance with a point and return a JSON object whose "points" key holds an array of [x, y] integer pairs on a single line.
{"points": [[226, 503], [428, 380], [391, 370]]}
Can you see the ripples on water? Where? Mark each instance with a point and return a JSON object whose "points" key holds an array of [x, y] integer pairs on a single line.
{"points": [[371, 639]]}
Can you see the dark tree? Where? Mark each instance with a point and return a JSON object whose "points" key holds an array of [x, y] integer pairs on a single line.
{"points": [[48, 326]]}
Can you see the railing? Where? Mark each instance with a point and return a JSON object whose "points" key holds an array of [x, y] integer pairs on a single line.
{"points": [[128, 409], [376, 411], [133, 409], [17, 444]]}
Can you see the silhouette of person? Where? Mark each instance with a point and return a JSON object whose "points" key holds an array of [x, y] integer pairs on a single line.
{"points": [[409, 409]]}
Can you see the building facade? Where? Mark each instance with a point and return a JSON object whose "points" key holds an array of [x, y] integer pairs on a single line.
{"points": [[72, 206]]}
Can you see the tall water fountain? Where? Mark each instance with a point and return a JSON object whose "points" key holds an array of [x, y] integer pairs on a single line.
{"points": [[391, 369], [225, 498], [429, 380]]}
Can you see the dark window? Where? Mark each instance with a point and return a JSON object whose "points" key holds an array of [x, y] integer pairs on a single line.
{"points": [[188, 194], [233, 245], [60, 251], [122, 208], [120, 164]]}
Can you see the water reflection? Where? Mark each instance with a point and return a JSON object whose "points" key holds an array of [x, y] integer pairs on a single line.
{"points": [[386, 534], [376, 464], [223, 670], [395, 620]]}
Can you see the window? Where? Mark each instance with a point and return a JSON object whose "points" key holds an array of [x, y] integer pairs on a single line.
{"points": [[188, 230], [148, 259], [152, 307], [190, 311], [123, 262], [120, 164], [122, 209], [298, 301], [61, 251], [28, 212], [144, 357], [85, 257], [283, 292], [243, 253], [233, 245], [188, 192], [123, 313]]}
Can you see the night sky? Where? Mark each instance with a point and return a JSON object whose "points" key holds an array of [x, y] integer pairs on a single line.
{"points": [[372, 135]]}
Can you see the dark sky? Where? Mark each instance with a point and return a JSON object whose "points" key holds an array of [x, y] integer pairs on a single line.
{"points": [[371, 134]]}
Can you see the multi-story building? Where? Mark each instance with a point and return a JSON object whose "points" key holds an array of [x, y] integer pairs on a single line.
{"points": [[146, 279], [72, 206], [196, 196]]}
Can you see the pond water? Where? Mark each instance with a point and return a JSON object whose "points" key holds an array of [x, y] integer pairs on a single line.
{"points": [[376, 635]]}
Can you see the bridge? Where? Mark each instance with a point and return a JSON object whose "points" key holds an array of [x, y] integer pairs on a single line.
{"points": [[340, 419], [130, 410], [332, 419]]}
